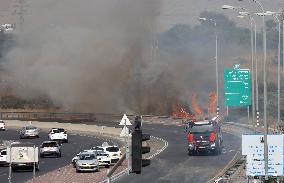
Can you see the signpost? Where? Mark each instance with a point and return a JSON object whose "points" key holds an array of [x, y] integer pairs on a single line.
{"points": [[253, 148], [125, 133], [237, 86]]}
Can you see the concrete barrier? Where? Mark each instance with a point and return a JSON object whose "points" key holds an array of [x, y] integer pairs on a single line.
{"points": [[67, 126]]}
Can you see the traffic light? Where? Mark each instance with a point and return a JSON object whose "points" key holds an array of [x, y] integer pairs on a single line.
{"points": [[137, 149]]}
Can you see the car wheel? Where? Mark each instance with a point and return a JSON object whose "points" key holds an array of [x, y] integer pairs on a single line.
{"points": [[191, 153], [59, 155], [106, 166], [41, 156], [217, 151], [14, 169], [78, 171], [66, 140]]}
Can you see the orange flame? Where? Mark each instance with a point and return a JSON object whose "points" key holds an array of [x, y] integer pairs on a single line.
{"points": [[178, 111], [197, 109]]}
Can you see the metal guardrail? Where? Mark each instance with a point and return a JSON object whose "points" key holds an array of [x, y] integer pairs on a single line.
{"points": [[45, 116]]}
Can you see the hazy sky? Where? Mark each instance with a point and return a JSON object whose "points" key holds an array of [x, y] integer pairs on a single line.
{"points": [[171, 12]]}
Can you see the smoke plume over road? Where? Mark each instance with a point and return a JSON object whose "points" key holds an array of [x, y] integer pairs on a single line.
{"points": [[90, 56]]}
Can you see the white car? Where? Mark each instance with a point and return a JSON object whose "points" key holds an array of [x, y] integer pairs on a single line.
{"points": [[2, 125], [87, 162], [75, 158], [58, 134], [113, 151], [50, 148], [3, 157], [104, 159]]}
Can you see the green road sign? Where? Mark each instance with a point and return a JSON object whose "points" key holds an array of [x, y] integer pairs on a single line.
{"points": [[237, 87]]}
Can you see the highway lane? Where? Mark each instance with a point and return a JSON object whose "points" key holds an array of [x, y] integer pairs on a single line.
{"points": [[174, 165], [75, 145]]}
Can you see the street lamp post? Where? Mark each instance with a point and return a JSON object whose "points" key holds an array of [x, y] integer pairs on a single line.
{"points": [[277, 18], [216, 61], [264, 92], [242, 15]]}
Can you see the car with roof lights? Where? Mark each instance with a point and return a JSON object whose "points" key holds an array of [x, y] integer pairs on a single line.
{"points": [[204, 136]]}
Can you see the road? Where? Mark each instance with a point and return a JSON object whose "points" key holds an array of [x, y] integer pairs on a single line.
{"points": [[174, 165], [76, 143]]}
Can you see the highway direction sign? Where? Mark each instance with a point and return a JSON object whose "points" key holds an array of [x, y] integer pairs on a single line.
{"points": [[237, 87], [253, 148]]}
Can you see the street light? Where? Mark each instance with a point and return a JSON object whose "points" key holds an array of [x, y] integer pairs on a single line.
{"points": [[243, 14], [276, 17], [216, 58], [264, 92]]}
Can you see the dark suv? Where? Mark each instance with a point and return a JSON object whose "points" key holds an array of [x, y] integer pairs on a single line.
{"points": [[205, 136]]}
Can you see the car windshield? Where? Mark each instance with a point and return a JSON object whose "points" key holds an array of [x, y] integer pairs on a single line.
{"points": [[56, 131], [49, 144], [112, 149], [1, 121], [201, 128], [30, 128], [87, 157], [61, 130], [97, 149], [3, 152]]}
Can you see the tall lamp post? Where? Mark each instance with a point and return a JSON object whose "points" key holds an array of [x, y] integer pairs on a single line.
{"points": [[258, 3], [243, 14], [277, 18], [216, 59]]}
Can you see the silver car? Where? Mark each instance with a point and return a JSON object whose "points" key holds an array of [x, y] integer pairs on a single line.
{"points": [[50, 148], [29, 131], [87, 162]]}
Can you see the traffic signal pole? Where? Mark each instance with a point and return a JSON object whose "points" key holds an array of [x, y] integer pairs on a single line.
{"points": [[137, 149]]}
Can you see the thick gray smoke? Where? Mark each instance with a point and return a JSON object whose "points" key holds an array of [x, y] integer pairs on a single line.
{"points": [[90, 56]]}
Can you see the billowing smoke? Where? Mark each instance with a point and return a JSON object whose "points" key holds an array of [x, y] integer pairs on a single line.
{"points": [[90, 56]]}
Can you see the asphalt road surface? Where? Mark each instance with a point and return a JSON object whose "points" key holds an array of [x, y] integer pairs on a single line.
{"points": [[174, 165], [69, 150]]}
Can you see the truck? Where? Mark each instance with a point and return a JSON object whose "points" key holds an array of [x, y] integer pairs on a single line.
{"points": [[23, 157]]}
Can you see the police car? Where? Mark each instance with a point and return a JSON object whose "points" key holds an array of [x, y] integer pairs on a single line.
{"points": [[58, 134]]}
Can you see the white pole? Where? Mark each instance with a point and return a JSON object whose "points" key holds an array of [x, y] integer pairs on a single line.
{"points": [[278, 74], [34, 163], [217, 78], [10, 166], [252, 69], [264, 92], [248, 113], [256, 77]]}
